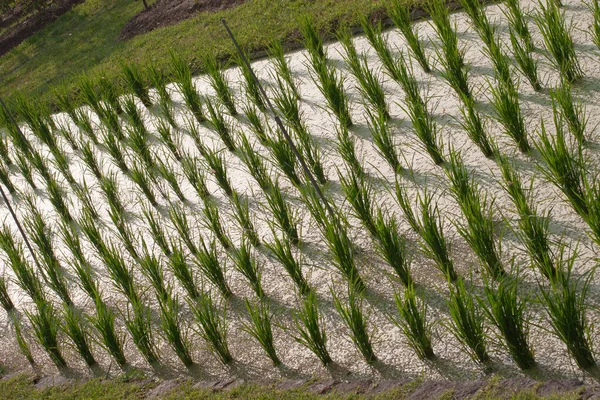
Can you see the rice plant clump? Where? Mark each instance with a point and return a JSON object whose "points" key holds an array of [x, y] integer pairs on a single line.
{"points": [[391, 246], [140, 328], [260, 328], [220, 125], [474, 126], [247, 265], [207, 260], [359, 194], [79, 335], [525, 61], [557, 38], [283, 252], [213, 222], [518, 23], [505, 99], [282, 68], [173, 331], [219, 83], [104, 323], [400, 15], [572, 112], [312, 39], [183, 273], [380, 131], [183, 79], [213, 326], [5, 300], [133, 77], [310, 331], [46, 325], [283, 215]]}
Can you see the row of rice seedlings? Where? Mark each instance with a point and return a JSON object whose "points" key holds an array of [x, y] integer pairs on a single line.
{"points": [[416, 107], [135, 81], [212, 221], [139, 326], [5, 299], [183, 79], [165, 171], [173, 330], [346, 147], [382, 137], [26, 277], [254, 162], [525, 61], [505, 98], [566, 306], [195, 174], [115, 150], [256, 125], [451, 57], [311, 39], [369, 85], [158, 79], [572, 112], [52, 272], [169, 138], [178, 216], [359, 193], [400, 16], [260, 328], [207, 260], [220, 125], [474, 126], [391, 246], [251, 87], [431, 230], [557, 38], [331, 86], [413, 322], [111, 340], [284, 217], [467, 322], [285, 158], [5, 179], [292, 265], [46, 326], [212, 325], [518, 23], [354, 318], [282, 68], [309, 323], [242, 216], [76, 330], [144, 180], [183, 273], [506, 310], [216, 163], [247, 265], [477, 210], [219, 83]]}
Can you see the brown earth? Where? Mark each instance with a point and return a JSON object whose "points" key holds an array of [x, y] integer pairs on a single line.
{"points": [[18, 26], [169, 12]]}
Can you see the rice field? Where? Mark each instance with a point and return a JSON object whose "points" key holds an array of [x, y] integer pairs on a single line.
{"points": [[431, 209]]}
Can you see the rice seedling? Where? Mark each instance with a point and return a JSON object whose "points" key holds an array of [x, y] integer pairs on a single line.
{"points": [[115, 150], [260, 329], [594, 30], [25, 169], [256, 124], [178, 216], [193, 131], [242, 216], [216, 164], [478, 211], [110, 120], [5, 300], [525, 61], [84, 123], [87, 86], [14, 132], [195, 174], [217, 121], [135, 81], [77, 332], [21, 341], [39, 120], [479, 20], [311, 39], [557, 38], [283, 216], [309, 327], [89, 227], [58, 200], [109, 93], [52, 272], [4, 151], [39, 163], [90, 160], [285, 158], [283, 252], [250, 85], [473, 125], [169, 138], [431, 231], [110, 188], [183, 273], [156, 230], [505, 99], [246, 264], [592, 201], [213, 222], [65, 101], [104, 323], [254, 163], [564, 169], [139, 143], [152, 269], [359, 194], [346, 147], [183, 79], [119, 272], [208, 261], [140, 328], [66, 132], [571, 111], [380, 44], [219, 83], [5, 179], [391, 247], [354, 318], [566, 306], [159, 80], [213, 326], [400, 16], [140, 176], [499, 59], [282, 68], [467, 322], [506, 310], [62, 165], [133, 114], [331, 86], [174, 331], [413, 322], [46, 325], [518, 23], [165, 171], [380, 131], [167, 114]]}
